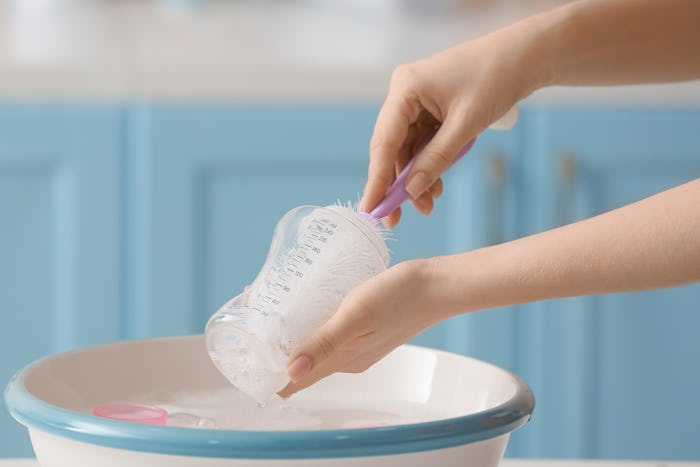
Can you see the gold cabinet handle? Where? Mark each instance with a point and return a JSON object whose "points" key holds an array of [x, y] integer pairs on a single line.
{"points": [[567, 168]]}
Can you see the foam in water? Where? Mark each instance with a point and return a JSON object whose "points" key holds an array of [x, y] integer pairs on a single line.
{"points": [[309, 410]]}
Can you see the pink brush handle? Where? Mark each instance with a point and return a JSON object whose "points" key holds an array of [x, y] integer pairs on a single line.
{"points": [[397, 193]]}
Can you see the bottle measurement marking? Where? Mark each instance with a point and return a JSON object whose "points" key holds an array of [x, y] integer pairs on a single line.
{"points": [[280, 286], [298, 258]]}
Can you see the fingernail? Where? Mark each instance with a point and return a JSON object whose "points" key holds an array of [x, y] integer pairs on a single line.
{"points": [[417, 185], [423, 209], [299, 368]]}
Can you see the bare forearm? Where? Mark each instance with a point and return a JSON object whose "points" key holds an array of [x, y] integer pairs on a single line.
{"points": [[653, 243], [607, 42]]}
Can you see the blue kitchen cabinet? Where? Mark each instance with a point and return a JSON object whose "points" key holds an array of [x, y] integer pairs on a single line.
{"points": [[615, 376], [59, 240]]}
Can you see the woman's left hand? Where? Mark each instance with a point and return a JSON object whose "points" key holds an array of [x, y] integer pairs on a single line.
{"points": [[375, 318]]}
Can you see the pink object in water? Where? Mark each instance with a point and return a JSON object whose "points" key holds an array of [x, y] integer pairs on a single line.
{"points": [[137, 413]]}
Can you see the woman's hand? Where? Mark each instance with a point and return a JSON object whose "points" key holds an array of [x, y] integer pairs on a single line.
{"points": [[442, 102], [375, 318]]}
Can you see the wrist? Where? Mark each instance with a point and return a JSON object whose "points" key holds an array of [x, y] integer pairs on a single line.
{"points": [[475, 280], [542, 42], [451, 284]]}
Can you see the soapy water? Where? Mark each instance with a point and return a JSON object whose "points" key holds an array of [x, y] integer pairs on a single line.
{"points": [[316, 257], [229, 409]]}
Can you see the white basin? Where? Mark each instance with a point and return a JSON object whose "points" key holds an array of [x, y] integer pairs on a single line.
{"points": [[457, 411]]}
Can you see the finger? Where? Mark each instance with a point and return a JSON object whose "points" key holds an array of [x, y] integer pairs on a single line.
{"points": [[427, 125], [436, 189], [339, 362], [438, 154], [366, 360], [392, 219], [390, 131], [426, 128], [323, 370], [406, 153], [379, 179], [419, 134], [322, 345], [424, 203], [348, 360]]}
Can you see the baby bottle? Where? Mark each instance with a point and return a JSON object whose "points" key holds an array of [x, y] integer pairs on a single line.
{"points": [[317, 255]]}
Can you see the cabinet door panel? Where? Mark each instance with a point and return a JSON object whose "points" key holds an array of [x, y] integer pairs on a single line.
{"points": [[615, 376], [59, 241]]}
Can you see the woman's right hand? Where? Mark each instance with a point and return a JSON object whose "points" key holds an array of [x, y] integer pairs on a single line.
{"points": [[441, 103]]}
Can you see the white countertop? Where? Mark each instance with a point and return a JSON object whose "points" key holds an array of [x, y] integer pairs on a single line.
{"points": [[303, 50], [505, 463]]}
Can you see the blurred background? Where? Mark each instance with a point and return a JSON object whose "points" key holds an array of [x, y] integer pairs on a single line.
{"points": [[147, 149]]}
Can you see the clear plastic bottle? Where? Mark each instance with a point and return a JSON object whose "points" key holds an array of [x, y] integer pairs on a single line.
{"points": [[317, 255]]}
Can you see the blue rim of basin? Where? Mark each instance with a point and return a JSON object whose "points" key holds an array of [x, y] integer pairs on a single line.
{"points": [[308, 444]]}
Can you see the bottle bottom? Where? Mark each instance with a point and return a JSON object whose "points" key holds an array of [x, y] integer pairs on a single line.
{"points": [[245, 361]]}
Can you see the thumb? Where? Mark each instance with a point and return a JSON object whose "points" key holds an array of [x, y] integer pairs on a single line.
{"points": [[319, 347], [437, 155]]}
